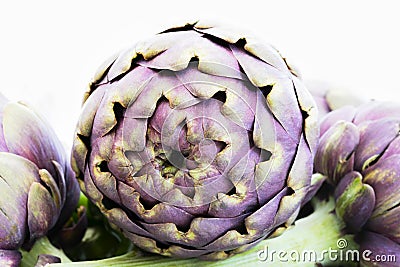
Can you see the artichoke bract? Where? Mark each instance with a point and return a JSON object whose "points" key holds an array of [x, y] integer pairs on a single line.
{"points": [[198, 142], [359, 152], [37, 186]]}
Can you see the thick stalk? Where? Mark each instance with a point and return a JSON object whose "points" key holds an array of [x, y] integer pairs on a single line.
{"points": [[41, 246], [317, 238]]}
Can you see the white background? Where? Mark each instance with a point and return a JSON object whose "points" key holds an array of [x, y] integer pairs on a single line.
{"points": [[49, 50]]}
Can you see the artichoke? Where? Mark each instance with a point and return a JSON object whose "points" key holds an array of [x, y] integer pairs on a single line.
{"points": [[359, 152], [198, 142], [37, 184], [329, 97]]}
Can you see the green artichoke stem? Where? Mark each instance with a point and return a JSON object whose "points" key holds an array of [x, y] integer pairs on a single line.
{"points": [[318, 234], [41, 246]]}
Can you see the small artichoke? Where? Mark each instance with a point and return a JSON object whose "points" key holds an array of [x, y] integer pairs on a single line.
{"points": [[196, 143], [37, 185], [359, 152], [329, 97]]}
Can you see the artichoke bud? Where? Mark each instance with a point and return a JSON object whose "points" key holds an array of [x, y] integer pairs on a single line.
{"points": [[205, 139], [330, 97], [360, 155], [37, 187], [355, 201], [335, 154]]}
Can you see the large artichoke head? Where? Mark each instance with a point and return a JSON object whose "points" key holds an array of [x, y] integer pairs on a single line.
{"points": [[37, 186], [196, 143], [359, 152]]}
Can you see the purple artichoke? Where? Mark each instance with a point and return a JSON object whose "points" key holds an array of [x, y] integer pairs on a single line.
{"points": [[359, 152], [196, 143], [329, 97], [37, 185]]}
